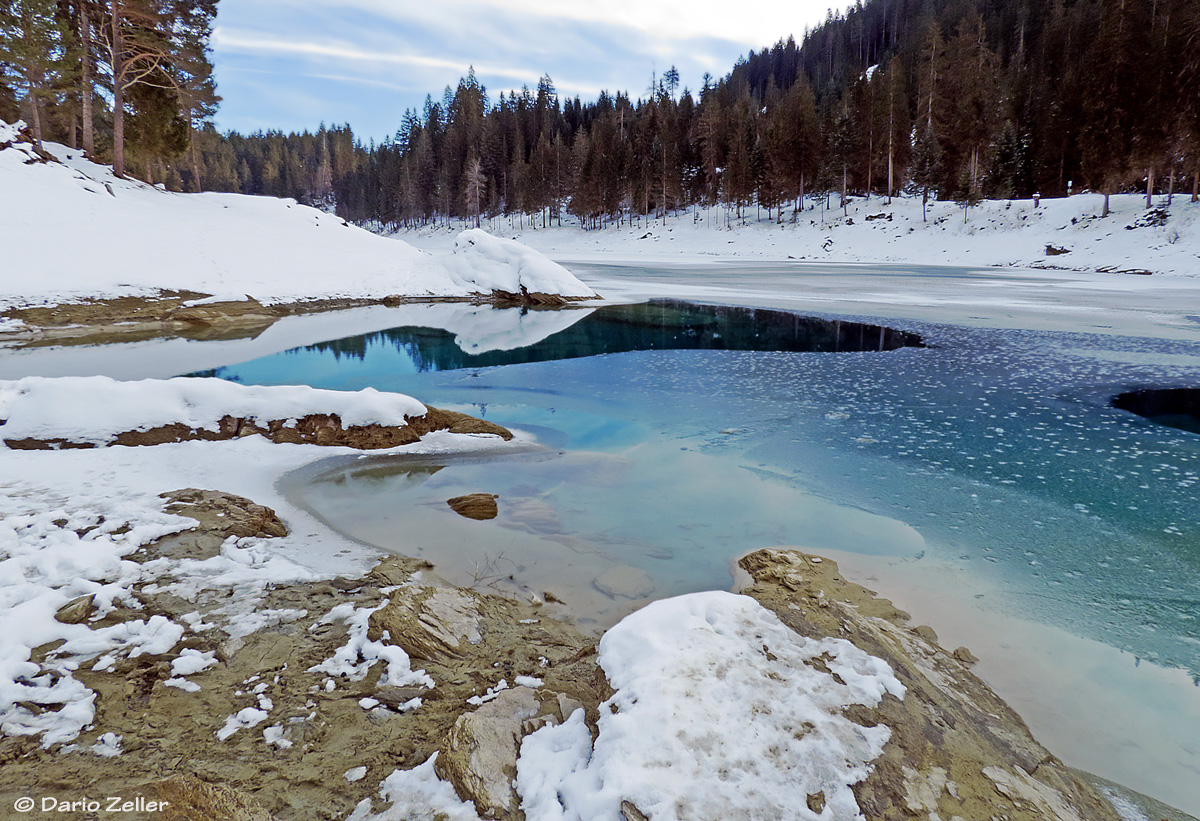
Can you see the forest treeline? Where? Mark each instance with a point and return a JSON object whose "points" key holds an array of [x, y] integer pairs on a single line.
{"points": [[949, 98]]}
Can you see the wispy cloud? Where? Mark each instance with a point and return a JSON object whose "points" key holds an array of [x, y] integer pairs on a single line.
{"points": [[238, 43]]}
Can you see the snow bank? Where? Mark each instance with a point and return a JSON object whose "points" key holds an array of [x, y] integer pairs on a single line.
{"points": [[96, 409], [71, 230], [488, 263], [1004, 233], [721, 711]]}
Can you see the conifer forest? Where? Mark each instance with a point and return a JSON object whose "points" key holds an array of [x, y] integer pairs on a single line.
{"points": [[963, 99]]}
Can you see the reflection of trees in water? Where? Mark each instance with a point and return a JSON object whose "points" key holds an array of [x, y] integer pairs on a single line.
{"points": [[218, 373], [406, 476], [658, 325]]}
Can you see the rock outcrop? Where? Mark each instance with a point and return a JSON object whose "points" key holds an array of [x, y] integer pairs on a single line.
{"points": [[957, 751], [479, 756]]}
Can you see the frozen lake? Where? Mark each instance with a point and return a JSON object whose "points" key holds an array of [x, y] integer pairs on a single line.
{"points": [[984, 482]]}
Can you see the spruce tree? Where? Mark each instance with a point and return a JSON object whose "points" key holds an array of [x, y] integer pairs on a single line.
{"points": [[928, 168]]}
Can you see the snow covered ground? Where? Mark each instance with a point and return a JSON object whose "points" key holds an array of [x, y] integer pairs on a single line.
{"points": [[1008, 233], [72, 230]]}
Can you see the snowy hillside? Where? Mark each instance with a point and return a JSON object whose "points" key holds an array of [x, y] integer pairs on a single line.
{"points": [[1006, 233], [70, 229]]}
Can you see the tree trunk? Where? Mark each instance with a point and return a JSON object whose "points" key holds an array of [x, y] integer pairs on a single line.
{"points": [[1150, 187], [85, 86], [1171, 187], [1105, 214], [1196, 184], [845, 212], [891, 157], [924, 201], [870, 161], [195, 166], [36, 114], [118, 69]]}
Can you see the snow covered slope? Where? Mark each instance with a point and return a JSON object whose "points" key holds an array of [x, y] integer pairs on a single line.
{"points": [[70, 229], [1065, 233]]}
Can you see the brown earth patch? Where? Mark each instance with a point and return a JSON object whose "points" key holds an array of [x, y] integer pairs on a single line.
{"points": [[314, 429]]}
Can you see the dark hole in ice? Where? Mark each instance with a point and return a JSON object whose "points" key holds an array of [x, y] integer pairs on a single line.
{"points": [[1173, 407], [655, 325]]}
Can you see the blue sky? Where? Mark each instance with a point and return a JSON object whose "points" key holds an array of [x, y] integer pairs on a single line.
{"points": [[292, 64]]}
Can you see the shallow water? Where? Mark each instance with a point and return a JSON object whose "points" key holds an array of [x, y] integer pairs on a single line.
{"points": [[995, 451]]}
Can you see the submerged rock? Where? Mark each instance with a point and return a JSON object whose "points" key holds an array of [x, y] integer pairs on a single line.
{"points": [[480, 506], [625, 582]]}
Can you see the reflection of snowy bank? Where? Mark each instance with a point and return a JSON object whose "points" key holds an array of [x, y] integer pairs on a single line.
{"points": [[476, 328]]}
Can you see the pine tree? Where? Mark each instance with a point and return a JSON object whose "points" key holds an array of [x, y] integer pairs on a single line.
{"points": [[35, 53], [474, 187], [928, 169], [841, 145]]}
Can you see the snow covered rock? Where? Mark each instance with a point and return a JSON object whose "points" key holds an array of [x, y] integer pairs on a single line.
{"points": [[954, 744], [720, 711], [43, 413], [487, 263]]}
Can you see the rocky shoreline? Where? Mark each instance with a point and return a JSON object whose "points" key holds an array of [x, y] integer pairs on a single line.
{"points": [[956, 750]]}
